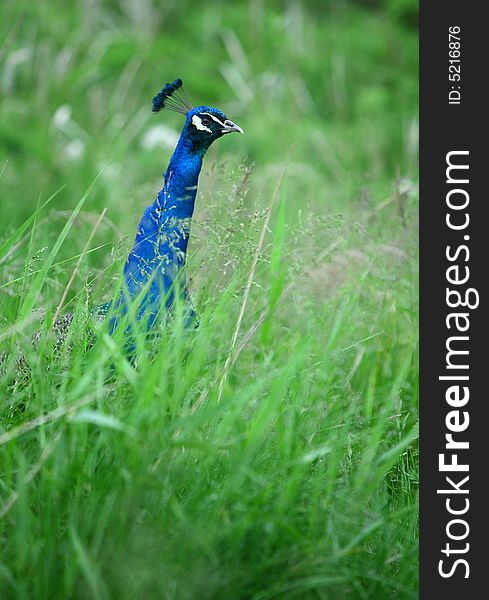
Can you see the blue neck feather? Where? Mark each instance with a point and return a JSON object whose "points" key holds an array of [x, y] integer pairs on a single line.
{"points": [[160, 248]]}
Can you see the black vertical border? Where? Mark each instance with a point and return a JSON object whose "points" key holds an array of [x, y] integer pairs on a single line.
{"points": [[445, 127]]}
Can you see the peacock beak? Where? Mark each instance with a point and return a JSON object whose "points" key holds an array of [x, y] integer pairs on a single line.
{"points": [[229, 127]]}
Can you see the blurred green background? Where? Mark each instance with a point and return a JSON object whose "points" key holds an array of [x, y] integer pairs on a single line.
{"points": [[302, 483], [336, 79]]}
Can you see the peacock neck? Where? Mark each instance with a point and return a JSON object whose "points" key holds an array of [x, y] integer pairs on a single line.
{"points": [[160, 249]]}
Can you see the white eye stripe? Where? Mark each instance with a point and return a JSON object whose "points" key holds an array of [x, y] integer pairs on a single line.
{"points": [[197, 123], [214, 118]]}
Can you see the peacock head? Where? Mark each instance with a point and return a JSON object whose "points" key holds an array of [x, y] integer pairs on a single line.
{"points": [[203, 124]]}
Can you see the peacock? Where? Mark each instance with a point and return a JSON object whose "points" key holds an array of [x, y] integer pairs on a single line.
{"points": [[154, 271]]}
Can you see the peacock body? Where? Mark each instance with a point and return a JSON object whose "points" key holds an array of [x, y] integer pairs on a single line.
{"points": [[154, 271]]}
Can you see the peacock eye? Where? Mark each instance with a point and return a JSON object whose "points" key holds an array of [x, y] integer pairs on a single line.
{"points": [[206, 120]]}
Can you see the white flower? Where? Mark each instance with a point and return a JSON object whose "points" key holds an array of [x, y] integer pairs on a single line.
{"points": [[74, 150], [62, 116], [159, 135]]}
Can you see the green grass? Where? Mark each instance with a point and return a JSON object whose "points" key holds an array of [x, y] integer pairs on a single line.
{"points": [[268, 456]]}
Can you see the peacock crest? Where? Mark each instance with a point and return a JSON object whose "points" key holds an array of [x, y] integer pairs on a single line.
{"points": [[172, 97]]}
